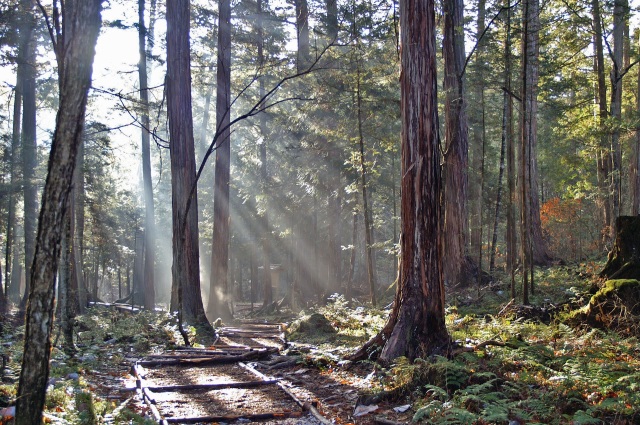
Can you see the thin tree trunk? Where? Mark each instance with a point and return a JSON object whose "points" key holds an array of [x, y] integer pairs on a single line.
{"points": [[506, 117], [27, 61], [538, 246], [64, 285], [352, 258], [603, 162], [619, 12], [635, 175], [264, 175], [302, 33], [78, 239], [75, 50], [365, 202], [219, 292], [477, 146], [512, 253], [11, 248], [149, 219]]}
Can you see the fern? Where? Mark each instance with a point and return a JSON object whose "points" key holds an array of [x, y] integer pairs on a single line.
{"points": [[583, 418], [434, 407]]}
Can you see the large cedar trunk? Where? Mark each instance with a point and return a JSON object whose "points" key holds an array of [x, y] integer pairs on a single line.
{"points": [[457, 145], [219, 285], [624, 258], [75, 52], [418, 315], [186, 267]]}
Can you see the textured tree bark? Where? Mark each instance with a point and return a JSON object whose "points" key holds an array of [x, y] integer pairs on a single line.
{"points": [[624, 260], [507, 133], [149, 218], [603, 162], [476, 119], [457, 146], [620, 8], [78, 242], [635, 166], [219, 285], [302, 33], [186, 267], [512, 250], [75, 49], [27, 61], [540, 254], [418, 315]]}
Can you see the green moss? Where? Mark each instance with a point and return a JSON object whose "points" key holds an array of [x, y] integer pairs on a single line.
{"points": [[623, 288]]}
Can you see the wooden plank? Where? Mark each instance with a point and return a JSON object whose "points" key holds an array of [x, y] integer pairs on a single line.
{"points": [[203, 361], [189, 387], [310, 407], [231, 418]]}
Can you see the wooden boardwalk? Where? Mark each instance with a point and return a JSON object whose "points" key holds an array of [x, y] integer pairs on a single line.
{"points": [[218, 384]]}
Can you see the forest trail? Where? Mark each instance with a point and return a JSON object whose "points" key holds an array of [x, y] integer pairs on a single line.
{"points": [[219, 384]]}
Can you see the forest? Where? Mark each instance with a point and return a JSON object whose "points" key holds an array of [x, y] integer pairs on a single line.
{"points": [[390, 211]]}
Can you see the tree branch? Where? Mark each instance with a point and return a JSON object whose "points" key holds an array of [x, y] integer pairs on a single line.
{"points": [[475, 46]]}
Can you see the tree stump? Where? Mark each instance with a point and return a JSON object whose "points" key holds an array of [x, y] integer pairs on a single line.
{"points": [[624, 258]]}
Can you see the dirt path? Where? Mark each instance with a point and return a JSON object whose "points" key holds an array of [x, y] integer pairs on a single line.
{"points": [[243, 378]]}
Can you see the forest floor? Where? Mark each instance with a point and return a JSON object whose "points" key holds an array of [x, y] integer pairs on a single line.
{"points": [[512, 364]]}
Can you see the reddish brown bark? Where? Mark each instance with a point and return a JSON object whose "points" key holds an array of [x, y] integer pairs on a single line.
{"points": [[457, 146], [219, 288], [186, 268], [530, 75], [418, 315]]}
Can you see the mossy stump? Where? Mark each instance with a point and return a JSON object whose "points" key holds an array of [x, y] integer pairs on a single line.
{"points": [[315, 324], [624, 258], [615, 306]]}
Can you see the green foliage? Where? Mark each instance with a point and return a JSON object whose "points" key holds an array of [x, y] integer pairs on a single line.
{"points": [[86, 409], [126, 416]]}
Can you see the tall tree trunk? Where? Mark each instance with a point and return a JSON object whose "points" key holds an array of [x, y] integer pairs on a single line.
{"points": [[476, 119], [302, 33], [620, 8], [218, 294], [635, 166], [265, 237], [78, 224], [27, 61], [603, 161], [65, 285], [332, 20], [368, 228], [11, 247], [512, 250], [75, 49], [457, 145], [149, 218], [417, 319], [186, 256], [506, 129], [537, 244]]}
